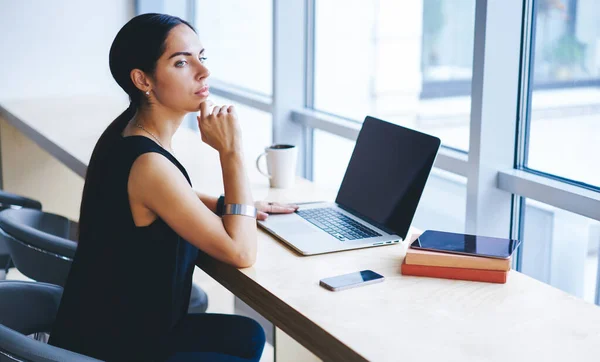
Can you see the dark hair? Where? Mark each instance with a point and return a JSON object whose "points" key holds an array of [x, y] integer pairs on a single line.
{"points": [[138, 45]]}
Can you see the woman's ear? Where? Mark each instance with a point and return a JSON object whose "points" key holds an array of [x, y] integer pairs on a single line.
{"points": [[140, 80]]}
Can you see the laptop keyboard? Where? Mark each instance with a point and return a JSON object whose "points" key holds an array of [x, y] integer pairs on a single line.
{"points": [[337, 224]]}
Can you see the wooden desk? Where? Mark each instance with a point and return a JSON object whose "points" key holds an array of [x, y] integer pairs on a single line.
{"points": [[404, 318]]}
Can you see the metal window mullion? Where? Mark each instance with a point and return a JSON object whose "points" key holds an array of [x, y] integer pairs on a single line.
{"points": [[332, 124], [526, 85], [552, 192], [522, 137], [241, 96], [447, 160], [309, 81], [309, 71], [309, 148], [495, 84], [289, 78]]}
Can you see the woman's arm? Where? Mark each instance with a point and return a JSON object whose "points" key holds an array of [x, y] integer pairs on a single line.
{"points": [[237, 191], [161, 188], [208, 201]]}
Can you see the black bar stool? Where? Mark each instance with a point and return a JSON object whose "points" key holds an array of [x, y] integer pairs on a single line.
{"points": [[9, 200], [27, 308]]}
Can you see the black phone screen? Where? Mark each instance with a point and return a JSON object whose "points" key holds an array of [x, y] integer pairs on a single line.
{"points": [[466, 244], [345, 280]]}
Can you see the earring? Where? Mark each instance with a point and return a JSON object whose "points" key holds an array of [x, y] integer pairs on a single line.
{"points": [[147, 93]]}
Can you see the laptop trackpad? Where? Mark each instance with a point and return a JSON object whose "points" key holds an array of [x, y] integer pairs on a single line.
{"points": [[291, 225]]}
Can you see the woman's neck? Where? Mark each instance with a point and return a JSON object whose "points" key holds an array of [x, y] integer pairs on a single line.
{"points": [[159, 124]]}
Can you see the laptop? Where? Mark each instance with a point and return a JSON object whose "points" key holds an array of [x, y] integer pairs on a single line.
{"points": [[377, 199]]}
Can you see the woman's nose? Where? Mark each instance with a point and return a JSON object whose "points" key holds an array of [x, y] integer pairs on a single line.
{"points": [[203, 71]]}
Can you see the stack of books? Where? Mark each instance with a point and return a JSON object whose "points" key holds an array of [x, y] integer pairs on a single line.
{"points": [[454, 266]]}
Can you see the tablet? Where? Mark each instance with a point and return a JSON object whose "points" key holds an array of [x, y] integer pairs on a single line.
{"points": [[466, 244]]}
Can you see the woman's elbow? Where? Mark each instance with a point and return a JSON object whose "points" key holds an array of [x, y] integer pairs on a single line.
{"points": [[245, 254], [245, 259]]}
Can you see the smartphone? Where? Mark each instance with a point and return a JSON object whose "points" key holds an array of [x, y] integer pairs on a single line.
{"points": [[473, 245], [351, 280]]}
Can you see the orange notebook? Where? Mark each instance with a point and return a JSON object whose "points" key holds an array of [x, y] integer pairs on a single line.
{"points": [[432, 258], [478, 275]]}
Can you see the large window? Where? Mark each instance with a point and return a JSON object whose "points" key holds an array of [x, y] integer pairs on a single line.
{"points": [[238, 37], [561, 248], [409, 63], [564, 121], [561, 141]]}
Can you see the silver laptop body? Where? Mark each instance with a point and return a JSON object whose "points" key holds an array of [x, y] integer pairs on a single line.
{"points": [[378, 196], [308, 239]]}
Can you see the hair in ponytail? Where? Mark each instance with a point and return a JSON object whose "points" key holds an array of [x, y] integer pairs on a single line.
{"points": [[138, 45]]}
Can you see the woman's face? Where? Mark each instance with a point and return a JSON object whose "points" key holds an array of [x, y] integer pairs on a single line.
{"points": [[180, 76]]}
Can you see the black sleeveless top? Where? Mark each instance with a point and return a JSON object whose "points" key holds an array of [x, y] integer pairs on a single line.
{"points": [[129, 286]]}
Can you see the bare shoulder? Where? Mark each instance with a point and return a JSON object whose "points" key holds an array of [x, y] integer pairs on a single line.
{"points": [[153, 173]]}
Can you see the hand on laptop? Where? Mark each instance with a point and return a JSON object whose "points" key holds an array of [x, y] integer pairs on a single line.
{"points": [[265, 208]]}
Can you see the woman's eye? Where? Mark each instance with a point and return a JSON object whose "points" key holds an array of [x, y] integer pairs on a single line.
{"points": [[202, 59], [180, 63]]}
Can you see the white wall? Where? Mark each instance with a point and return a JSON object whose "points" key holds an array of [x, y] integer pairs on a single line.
{"points": [[58, 48]]}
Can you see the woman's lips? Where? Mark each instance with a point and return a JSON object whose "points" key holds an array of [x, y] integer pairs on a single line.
{"points": [[203, 92]]}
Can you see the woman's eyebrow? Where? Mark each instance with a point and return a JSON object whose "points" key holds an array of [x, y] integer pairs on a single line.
{"points": [[188, 54]]}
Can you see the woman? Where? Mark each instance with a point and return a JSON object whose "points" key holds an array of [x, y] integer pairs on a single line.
{"points": [[141, 224]]}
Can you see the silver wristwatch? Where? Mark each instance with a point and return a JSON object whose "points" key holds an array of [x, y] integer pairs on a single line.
{"points": [[239, 209]]}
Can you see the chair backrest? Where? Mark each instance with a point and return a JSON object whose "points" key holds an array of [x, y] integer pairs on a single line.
{"points": [[27, 308], [7, 200], [37, 243]]}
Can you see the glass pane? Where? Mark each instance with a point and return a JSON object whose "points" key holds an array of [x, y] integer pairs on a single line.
{"points": [[256, 128], [237, 36], [443, 205], [332, 154], [561, 248], [564, 135], [407, 62]]}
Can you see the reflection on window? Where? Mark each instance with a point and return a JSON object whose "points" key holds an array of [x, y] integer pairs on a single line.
{"points": [[237, 36], [442, 205], [567, 41], [399, 61], [447, 52], [564, 124], [561, 248]]}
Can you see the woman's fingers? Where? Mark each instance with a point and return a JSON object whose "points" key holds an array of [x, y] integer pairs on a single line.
{"points": [[277, 208], [206, 108], [262, 215], [266, 208]]}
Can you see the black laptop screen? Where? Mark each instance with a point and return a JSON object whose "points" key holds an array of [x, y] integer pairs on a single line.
{"points": [[387, 173]]}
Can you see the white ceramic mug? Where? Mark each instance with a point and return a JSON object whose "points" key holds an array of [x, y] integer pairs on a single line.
{"points": [[281, 165]]}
